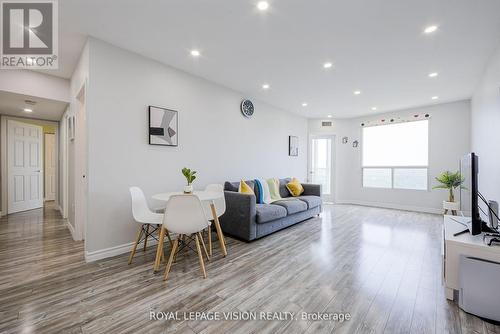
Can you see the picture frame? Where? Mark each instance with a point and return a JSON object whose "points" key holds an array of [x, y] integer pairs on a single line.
{"points": [[163, 126], [293, 146]]}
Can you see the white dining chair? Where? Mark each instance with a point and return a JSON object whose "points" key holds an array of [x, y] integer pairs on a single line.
{"points": [[150, 222], [220, 208], [185, 216]]}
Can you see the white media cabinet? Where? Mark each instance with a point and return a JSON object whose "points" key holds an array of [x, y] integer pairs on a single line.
{"points": [[464, 244]]}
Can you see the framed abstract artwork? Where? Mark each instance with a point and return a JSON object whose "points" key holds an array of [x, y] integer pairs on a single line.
{"points": [[163, 126], [293, 146]]}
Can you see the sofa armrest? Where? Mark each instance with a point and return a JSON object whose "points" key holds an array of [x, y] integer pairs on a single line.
{"points": [[239, 218], [312, 189]]}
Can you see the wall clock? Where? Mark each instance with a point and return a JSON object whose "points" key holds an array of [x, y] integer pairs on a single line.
{"points": [[247, 108]]}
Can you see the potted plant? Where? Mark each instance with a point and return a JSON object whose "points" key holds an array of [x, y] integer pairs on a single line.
{"points": [[190, 177], [450, 181]]}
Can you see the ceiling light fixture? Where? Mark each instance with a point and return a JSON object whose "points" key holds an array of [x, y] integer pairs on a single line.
{"points": [[304, 104], [327, 65], [433, 74], [195, 53], [357, 92], [435, 97], [374, 108], [262, 5], [329, 116], [28, 110], [265, 86], [430, 29]]}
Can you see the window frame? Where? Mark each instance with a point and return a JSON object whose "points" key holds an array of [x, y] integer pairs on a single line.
{"points": [[363, 167]]}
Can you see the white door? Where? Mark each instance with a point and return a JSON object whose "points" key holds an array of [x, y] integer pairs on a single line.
{"points": [[321, 164], [50, 167], [24, 169]]}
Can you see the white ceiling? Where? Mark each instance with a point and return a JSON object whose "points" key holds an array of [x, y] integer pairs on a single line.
{"points": [[13, 104], [377, 47]]}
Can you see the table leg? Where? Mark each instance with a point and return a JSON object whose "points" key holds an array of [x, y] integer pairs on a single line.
{"points": [[220, 235], [210, 240], [159, 249]]}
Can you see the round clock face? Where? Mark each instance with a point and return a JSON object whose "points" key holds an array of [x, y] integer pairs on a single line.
{"points": [[247, 108]]}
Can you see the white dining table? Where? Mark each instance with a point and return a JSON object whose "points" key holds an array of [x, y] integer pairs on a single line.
{"points": [[205, 196]]}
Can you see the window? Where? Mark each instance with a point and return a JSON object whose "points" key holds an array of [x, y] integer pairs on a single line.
{"points": [[396, 155]]}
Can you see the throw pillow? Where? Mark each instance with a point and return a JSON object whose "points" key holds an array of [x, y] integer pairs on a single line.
{"points": [[274, 189], [244, 188], [264, 194], [295, 188]]}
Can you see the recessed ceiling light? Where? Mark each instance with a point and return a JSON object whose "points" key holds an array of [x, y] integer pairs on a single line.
{"points": [[304, 104], [327, 65], [329, 116], [433, 74], [374, 108], [435, 97], [430, 29], [262, 5], [357, 92], [28, 110], [265, 86], [195, 53]]}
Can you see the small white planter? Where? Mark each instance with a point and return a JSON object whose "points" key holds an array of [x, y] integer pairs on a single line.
{"points": [[188, 189], [451, 206]]}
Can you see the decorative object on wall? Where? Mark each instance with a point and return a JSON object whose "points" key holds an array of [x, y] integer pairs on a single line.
{"points": [[190, 177], [163, 126], [71, 128], [247, 108], [345, 140], [355, 143], [293, 146]]}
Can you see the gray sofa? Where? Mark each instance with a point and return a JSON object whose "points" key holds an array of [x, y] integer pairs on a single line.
{"points": [[247, 220]]}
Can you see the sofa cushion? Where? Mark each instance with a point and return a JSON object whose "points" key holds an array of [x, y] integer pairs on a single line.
{"points": [[312, 201], [233, 186], [269, 212], [283, 190], [292, 205]]}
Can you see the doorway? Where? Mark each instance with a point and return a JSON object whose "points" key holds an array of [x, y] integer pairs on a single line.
{"points": [[321, 162], [30, 158]]}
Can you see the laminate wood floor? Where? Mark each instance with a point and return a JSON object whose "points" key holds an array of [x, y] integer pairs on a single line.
{"points": [[381, 266]]}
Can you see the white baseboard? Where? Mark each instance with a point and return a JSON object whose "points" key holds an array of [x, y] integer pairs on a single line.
{"points": [[393, 206], [113, 251]]}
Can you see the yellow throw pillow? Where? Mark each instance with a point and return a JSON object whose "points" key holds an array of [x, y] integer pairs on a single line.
{"points": [[244, 188], [295, 188]]}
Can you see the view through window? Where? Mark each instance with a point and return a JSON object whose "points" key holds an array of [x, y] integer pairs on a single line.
{"points": [[396, 155]]}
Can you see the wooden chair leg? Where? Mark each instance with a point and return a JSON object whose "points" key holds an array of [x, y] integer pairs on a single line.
{"points": [[171, 259], [132, 253], [204, 247], [220, 235], [210, 240], [200, 257], [169, 238], [146, 237], [159, 249]]}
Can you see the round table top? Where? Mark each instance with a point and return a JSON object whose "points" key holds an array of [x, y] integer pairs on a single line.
{"points": [[203, 195]]}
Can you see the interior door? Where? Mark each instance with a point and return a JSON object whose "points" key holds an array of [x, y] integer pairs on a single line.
{"points": [[24, 169], [321, 164], [50, 167]]}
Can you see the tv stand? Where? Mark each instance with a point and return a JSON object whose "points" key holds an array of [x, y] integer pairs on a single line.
{"points": [[461, 244]]}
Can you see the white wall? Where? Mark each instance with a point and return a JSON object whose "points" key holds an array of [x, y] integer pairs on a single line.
{"points": [[35, 84], [214, 138], [449, 139], [485, 121]]}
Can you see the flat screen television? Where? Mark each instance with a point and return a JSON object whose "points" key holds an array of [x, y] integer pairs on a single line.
{"points": [[469, 193]]}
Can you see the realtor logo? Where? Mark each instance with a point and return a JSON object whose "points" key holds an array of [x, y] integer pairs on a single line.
{"points": [[29, 34]]}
